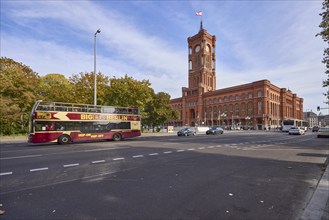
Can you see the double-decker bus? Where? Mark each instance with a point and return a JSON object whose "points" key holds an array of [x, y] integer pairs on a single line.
{"points": [[67, 122]]}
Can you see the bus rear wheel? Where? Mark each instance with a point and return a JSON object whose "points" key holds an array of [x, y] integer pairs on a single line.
{"points": [[64, 139], [117, 137]]}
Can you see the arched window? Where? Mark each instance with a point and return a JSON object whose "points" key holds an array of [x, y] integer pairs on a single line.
{"points": [[190, 65], [190, 50], [259, 108], [243, 109], [231, 98], [237, 109], [237, 98], [259, 94], [220, 109], [250, 109]]}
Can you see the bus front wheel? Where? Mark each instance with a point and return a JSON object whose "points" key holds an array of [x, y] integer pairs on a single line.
{"points": [[64, 139], [117, 137]]}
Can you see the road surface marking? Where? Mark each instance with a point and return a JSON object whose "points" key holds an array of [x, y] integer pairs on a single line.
{"points": [[210, 147], [153, 154], [98, 161], [39, 169], [7, 173], [137, 156], [201, 148], [180, 150], [27, 156], [71, 165], [167, 152], [119, 158], [191, 149]]}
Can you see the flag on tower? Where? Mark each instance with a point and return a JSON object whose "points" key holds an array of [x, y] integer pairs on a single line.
{"points": [[198, 13]]}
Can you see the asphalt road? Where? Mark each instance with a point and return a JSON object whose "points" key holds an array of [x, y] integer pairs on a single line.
{"points": [[237, 175]]}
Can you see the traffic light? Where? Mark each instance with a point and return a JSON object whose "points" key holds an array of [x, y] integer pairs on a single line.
{"points": [[318, 108]]}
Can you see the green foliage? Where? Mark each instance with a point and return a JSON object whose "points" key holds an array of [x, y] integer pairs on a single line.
{"points": [[158, 110], [21, 87], [18, 86], [84, 88], [324, 25], [127, 91], [55, 87]]}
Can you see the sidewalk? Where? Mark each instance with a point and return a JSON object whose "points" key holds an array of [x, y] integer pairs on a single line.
{"points": [[318, 207]]}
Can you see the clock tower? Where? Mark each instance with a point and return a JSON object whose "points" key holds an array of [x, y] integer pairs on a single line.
{"points": [[201, 75], [202, 60]]}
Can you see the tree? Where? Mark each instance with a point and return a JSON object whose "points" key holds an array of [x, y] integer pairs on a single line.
{"points": [[19, 85], [84, 88], [127, 91], [56, 88], [325, 36], [159, 111]]}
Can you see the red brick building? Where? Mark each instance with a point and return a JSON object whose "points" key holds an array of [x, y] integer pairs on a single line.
{"points": [[257, 104]]}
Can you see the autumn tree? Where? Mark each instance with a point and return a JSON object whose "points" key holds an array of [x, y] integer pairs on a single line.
{"points": [[158, 111], [19, 84], [127, 91], [56, 88], [83, 91], [324, 25]]}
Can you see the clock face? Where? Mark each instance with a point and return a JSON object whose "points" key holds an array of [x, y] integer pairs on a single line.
{"points": [[197, 48]]}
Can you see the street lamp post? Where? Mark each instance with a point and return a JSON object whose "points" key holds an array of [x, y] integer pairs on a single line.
{"points": [[95, 80]]}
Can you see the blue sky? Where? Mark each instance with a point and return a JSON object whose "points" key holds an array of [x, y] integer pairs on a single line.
{"points": [[256, 40]]}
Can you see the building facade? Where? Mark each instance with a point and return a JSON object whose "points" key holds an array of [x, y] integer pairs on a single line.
{"points": [[256, 105], [311, 118]]}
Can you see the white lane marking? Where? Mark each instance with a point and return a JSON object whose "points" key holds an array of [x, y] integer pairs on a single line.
{"points": [[180, 150], [219, 146], [39, 169], [191, 149], [210, 147], [153, 154], [7, 173], [167, 152], [137, 156], [201, 148], [27, 156], [71, 165], [98, 161], [99, 149], [119, 158]]}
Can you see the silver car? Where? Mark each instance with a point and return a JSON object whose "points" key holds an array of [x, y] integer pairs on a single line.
{"points": [[296, 130]]}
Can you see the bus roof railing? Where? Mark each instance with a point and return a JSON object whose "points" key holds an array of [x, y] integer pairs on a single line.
{"points": [[72, 107]]}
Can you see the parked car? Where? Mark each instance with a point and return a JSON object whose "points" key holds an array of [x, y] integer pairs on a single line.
{"points": [[323, 132], [215, 130], [186, 132], [315, 129], [296, 130]]}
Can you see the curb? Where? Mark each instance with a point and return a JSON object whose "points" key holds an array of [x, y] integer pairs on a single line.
{"points": [[316, 208]]}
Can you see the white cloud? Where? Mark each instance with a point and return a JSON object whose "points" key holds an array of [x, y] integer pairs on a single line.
{"points": [[258, 40]]}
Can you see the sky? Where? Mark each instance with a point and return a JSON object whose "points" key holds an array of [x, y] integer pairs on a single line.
{"points": [[255, 40]]}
